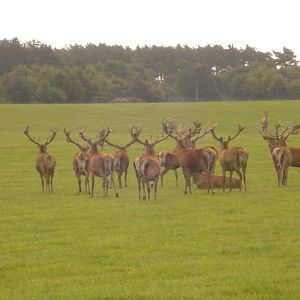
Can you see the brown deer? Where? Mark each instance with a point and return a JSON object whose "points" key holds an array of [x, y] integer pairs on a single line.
{"points": [[121, 160], [202, 181], [147, 166], [264, 121], [100, 164], [193, 160], [232, 159], [45, 162], [169, 160], [80, 162], [283, 157]]}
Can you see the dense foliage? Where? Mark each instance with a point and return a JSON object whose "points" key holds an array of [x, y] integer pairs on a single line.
{"points": [[35, 72]]}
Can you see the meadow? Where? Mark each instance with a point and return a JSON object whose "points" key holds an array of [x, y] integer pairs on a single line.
{"points": [[63, 245]]}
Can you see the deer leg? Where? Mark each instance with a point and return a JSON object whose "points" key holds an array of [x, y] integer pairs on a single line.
{"points": [[108, 185], [47, 183], [230, 180], [176, 177], [86, 183], [285, 176], [139, 186], [51, 182], [244, 167], [187, 181], [93, 183], [144, 193], [114, 186], [125, 175], [281, 177], [238, 172], [224, 178], [155, 186], [104, 186], [42, 180], [120, 180], [79, 182], [162, 174], [148, 188]]}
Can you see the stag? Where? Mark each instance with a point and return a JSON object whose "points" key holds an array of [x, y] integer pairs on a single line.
{"points": [[283, 156], [232, 159], [100, 164], [147, 166], [193, 160], [80, 162], [168, 159], [45, 162], [121, 160], [264, 121]]}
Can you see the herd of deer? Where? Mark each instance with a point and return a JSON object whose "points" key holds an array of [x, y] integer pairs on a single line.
{"points": [[196, 163]]}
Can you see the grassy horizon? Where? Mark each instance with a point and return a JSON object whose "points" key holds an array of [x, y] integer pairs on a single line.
{"points": [[63, 245]]}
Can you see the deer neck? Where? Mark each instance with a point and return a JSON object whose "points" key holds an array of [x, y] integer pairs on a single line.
{"points": [[94, 149], [149, 150]]}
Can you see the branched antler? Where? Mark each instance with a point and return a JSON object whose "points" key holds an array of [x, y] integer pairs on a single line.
{"points": [[69, 140]]}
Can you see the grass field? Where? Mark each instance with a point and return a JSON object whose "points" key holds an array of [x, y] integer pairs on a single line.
{"points": [[69, 246]]}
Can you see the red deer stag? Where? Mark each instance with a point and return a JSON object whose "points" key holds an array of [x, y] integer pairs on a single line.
{"points": [[169, 160], [100, 164], [121, 160], [147, 166], [193, 160], [45, 162], [232, 159], [80, 162], [283, 157]]}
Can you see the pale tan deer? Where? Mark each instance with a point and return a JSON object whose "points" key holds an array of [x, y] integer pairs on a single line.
{"points": [[45, 162], [100, 164], [264, 121], [232, 159], [121, 160], [283, 157], [193, 160], [202, 181], [147, 166], [80, 162]]}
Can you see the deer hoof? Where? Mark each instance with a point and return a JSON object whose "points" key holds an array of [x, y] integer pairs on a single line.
{"points": [[185, 192], [117, 195], [144, 197]]}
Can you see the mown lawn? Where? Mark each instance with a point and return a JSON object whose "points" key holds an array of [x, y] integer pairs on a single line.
{"points": [[70, 246]]}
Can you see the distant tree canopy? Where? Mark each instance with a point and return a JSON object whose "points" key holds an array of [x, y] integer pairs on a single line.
{"points": [[35, 72]]}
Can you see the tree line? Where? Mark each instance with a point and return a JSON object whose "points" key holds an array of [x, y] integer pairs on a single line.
{"points": [[36, 72]]}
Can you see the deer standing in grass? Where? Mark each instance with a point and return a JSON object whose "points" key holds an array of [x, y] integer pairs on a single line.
{"points": [[147, 166], [80, 162], [192, 160], [232, 159], [45, 162], [121, 160], [169, 160], [283, 157], [100, 164]]}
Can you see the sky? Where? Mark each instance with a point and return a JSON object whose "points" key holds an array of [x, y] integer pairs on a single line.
{"points": [[264, 24]]}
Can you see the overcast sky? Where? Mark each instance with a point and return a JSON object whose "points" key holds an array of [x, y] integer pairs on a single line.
{"points": [[264, 24]]}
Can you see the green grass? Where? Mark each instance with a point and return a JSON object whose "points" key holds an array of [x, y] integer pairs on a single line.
{"points": [[69, 246]]}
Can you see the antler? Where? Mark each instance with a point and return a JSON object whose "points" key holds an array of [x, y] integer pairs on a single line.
{"points": [[240, 129], [85, 138], [135, 131], [220, 139], [206, 131], [69, 140], [26, 132], [103, 134]]}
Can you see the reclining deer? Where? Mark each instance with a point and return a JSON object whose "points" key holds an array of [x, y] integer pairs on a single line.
{"points": [[45, 162], [232, 159], [147, 166], [80, 162], [100, 164]]}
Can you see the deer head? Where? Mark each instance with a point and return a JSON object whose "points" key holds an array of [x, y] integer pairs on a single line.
{"points": [[281, 134], [224, 143], [42, 147]]}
